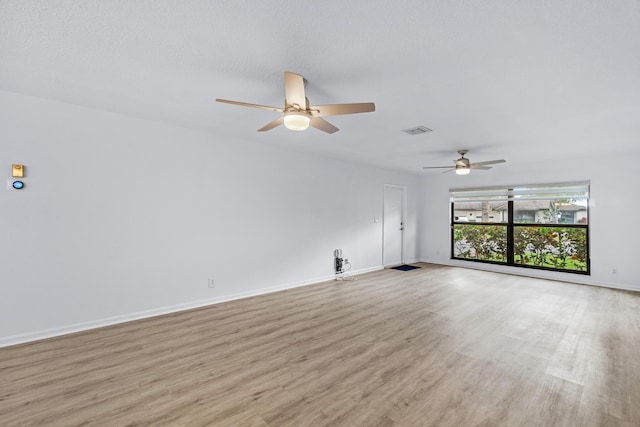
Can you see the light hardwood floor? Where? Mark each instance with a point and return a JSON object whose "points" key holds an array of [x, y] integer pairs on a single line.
{"points": [[437, 346]]}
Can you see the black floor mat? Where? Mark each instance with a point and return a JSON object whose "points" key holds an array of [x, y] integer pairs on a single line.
{"points": [[405, 267]]}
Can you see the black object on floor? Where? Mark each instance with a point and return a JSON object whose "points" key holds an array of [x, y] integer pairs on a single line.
{"points": [[405, 267]]}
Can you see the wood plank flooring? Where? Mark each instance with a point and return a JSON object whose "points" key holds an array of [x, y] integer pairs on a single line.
{"points": [[436, 346]]}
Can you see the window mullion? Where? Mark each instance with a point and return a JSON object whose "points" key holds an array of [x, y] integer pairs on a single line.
{"points": [[510, 256]]}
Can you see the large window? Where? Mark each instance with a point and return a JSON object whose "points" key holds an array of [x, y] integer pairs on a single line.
{"points": [[535, 226]]}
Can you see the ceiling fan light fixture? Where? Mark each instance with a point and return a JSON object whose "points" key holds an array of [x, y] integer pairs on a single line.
{"points": [[296, 121], [462, 170]]}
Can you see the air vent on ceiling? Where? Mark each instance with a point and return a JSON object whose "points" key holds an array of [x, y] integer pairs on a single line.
{"points": [[417, 130]]}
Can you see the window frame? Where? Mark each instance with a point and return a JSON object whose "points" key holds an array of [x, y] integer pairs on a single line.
{"points": [[509, 195]]}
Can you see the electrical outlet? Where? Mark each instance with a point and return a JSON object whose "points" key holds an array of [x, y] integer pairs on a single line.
{"points": [[212, 283]]}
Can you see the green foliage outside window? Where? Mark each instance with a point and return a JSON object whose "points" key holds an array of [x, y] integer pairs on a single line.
{"points": [[563, 248], [555, 247], [481, 242]]}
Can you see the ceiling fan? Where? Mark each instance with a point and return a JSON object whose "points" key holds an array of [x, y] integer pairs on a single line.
{"points": [[462, 166], [298, 114]]}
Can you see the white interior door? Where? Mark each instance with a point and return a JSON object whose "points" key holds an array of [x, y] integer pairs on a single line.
{"points": [[393, 225]]}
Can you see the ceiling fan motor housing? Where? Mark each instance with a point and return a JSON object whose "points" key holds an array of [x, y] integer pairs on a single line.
{"points": [[462, 162]]}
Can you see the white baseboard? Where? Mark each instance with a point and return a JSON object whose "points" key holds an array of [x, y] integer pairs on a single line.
{"points": [[99, 323], [536, 274]]}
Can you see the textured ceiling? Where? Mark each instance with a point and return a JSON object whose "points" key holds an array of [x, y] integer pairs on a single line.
{"points": [[514, 79]]}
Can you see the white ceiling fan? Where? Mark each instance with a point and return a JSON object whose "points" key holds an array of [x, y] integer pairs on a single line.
{"points": [[298, 114], [462, 166]]}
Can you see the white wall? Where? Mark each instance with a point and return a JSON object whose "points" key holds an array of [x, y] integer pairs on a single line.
{"points": [[124, 218], [614, 231]]}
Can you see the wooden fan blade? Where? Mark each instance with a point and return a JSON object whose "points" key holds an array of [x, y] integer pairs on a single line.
{"points": [[488, 162], [480, 167], [339, 109], [323, 125], [244, 104], [271, 125], [294, 90]]}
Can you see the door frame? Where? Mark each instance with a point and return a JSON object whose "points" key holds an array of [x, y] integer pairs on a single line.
{"points": [[403, 220]]}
